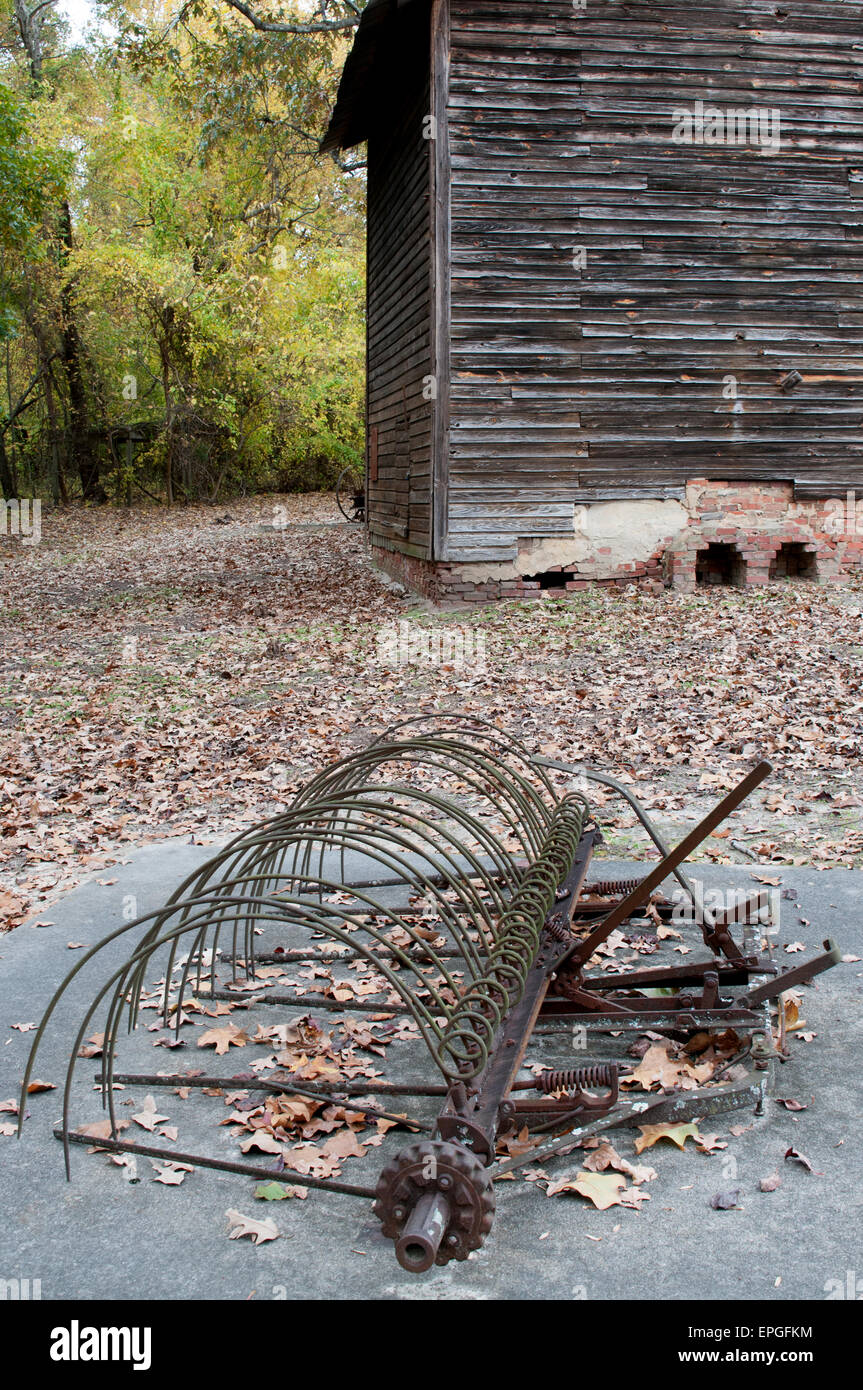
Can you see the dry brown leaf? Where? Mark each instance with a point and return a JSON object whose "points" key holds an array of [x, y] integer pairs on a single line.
{"points": [[602, 1189], [169, 1173], [678, 1134], [223, 1038], [148, 1116], [259, 1231], [101, 1129]]}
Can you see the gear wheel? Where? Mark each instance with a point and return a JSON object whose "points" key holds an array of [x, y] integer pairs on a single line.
{"points": [[435, 1200]]}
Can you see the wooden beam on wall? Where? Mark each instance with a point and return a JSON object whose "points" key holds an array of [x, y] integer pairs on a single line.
{"points": [[440, 275]]}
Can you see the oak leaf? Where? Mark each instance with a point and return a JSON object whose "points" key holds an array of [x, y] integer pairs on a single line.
{"points": [[247, 1226]]}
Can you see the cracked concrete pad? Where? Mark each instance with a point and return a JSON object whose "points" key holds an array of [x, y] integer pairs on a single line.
{"points": [[103, 1237]]}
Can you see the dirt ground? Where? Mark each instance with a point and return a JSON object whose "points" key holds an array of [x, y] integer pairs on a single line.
{"points": [[178, 674]]}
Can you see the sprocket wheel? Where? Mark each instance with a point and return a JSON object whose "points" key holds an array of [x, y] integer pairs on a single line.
{"points": [[435, 1200]]}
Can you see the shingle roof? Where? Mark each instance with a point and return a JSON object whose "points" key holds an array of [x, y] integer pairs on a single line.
{"points": [[367, 73]]}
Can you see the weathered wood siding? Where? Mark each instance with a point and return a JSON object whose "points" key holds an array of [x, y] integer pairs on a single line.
{"points": [[704, 262], [399, 324]]}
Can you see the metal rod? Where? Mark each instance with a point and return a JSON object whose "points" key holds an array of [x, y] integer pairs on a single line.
{"points": [[798, 975], [308, 1093], [250, 1170], [302, 1001], [250, 1081], [585, 949], [218, 1164]]}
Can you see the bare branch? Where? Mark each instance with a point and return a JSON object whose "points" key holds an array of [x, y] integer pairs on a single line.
{"points": [[42, 6], [272, 26]]}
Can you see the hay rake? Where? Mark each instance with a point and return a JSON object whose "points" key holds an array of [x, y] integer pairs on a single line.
{"points": [[449, 868]]}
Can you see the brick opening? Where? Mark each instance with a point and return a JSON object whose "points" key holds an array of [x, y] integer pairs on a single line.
{"points": [[793, 561], [720, 564], [549, 579]]}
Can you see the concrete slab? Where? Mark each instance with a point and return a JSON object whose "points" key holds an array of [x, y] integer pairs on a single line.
{"points": [[102, 1237]]}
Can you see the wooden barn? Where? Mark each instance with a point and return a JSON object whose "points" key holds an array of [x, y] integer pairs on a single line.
{"points": [[615, 320]]}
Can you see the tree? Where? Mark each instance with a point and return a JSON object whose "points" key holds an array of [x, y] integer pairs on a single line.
{"points": [[204, 289]]}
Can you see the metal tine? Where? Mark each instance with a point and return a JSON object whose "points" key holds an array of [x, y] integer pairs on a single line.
{"points": [[417, 1007], [471, 726], [481, 833], [160, 914], [414, 877], [352, 771], [326, 1090], [531, 812], [453, 879], [125, 978], [322, 918], [416, 823], [474, 727], [221, 1165], [456, 879]]}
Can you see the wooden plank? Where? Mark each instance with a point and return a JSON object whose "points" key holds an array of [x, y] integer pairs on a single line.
{"points": [[441, 236]]}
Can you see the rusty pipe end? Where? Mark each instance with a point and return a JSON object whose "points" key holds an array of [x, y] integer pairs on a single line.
{"points": [[420, 1240]]}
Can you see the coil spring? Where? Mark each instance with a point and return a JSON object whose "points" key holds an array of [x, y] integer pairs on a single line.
{"points": [[464, 1048], [602, 1076], [612, 888]]}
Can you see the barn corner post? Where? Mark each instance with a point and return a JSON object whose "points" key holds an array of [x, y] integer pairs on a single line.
{"points": [[603, 347], [441, 238]]}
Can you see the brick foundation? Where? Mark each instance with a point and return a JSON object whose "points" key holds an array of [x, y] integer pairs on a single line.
{"points": [[737, 529]]}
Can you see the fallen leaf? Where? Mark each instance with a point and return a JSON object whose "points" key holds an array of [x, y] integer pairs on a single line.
{"points": [[792, 1156], [101, 1129], [279, 1191], [148, 1117], [247, 1226], [170, 1173], [678, 1134], [725, 1201], [223, 1038], [710, 1143], [264, 1142], [606, 1156], [602, 1189]]}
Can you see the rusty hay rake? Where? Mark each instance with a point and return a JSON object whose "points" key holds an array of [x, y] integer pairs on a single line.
{"points": [[445, 869]]}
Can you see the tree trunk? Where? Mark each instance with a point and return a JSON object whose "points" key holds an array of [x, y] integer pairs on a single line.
{"points": [[169, 427], [82, 455], [7, 481]]}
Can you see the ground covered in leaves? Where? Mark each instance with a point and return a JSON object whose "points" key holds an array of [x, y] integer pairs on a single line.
{"points": [[180, 673]]}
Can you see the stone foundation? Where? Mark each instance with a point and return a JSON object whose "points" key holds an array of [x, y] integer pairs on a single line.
{"points": [[746, 534]]}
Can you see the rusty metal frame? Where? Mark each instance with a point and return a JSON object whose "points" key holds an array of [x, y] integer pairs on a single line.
{"points": [[523, 928]]}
